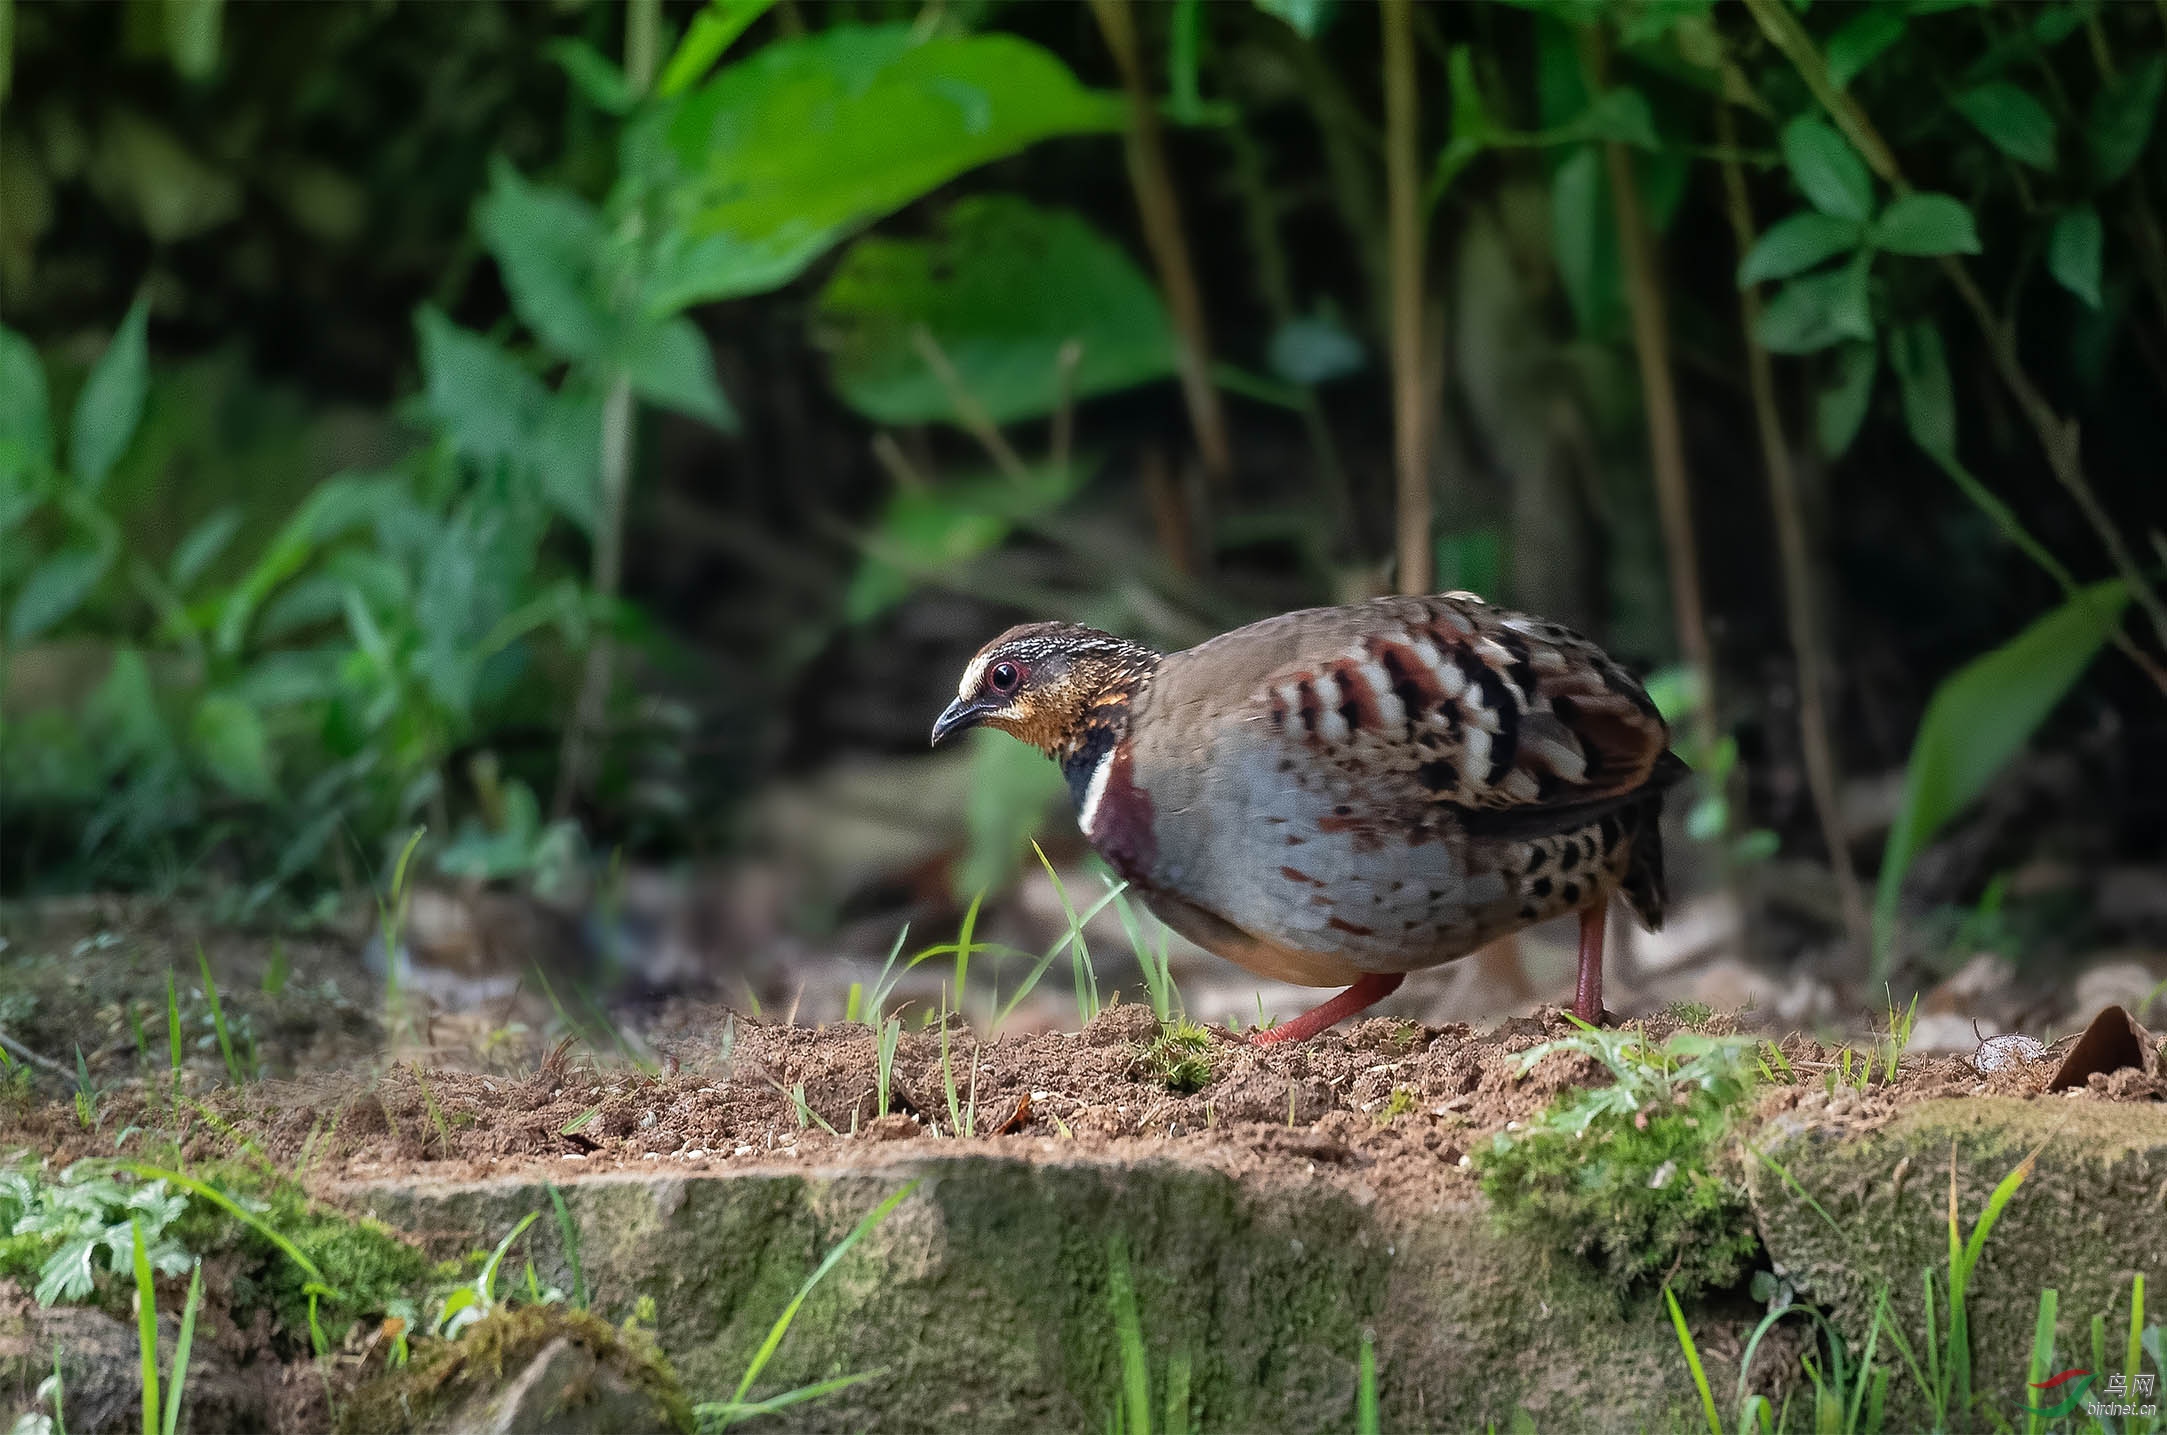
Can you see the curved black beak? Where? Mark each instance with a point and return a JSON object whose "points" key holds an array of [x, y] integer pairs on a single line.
{"points": [[960, 714]]}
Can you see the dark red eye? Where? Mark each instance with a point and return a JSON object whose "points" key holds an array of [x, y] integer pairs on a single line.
{"points": [[1004, 677]]}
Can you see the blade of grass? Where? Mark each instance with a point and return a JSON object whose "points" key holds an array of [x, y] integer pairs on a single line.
{"points": [[2133, 1353], [1039, 969], [963, 947], [1692, 1361], [1085, 976], [1365, 1393], [728, 1412], [146, 1327], [234, 1209], [781, 1327], [2042, 1353], [1178, 1372], [568, 1235], [234, 1070], [1129, 1330], [1866, 1364], [181, 1346]]}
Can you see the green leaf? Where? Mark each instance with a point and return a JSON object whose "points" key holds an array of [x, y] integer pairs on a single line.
{"points": [[784, 153], [1862, 39], [2120, 125], [1979, 718], [192, 33], [2017, 125], [1926, 225], [111, 404], [230, 739], [594, 75], [200, 549], [928, 534], [669, 363], [1305, 17], [547, 242], [1797, 243], [1922, 376], [1585, 239], [1840, 407], [54, 589], [1001, 289], [1810, 313], [1828, 171], [1185, 41], [712, 31], [2073, 252], [485, 400], [26, 424], [1622, 115]]}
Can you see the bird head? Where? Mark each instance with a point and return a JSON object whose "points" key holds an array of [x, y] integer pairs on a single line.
{"points": [[1045, 683]]}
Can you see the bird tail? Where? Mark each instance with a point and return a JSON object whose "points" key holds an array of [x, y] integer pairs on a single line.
{"points": [[1644, 888]]}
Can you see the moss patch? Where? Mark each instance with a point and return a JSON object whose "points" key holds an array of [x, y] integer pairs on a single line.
{"points": [[1179, 1057], [365, 1261], [439, 1380], [1635, 1177]]}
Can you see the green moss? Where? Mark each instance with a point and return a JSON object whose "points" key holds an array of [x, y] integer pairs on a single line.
{"points": [[1401, 1102], [365, 1261], [1178, 1057], [1634, 1177], [447, 1372], [1690, 1013]]}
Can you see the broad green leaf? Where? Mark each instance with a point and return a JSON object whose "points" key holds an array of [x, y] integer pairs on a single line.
{"points": [[1840, 407], [2017, 125], [192, 33], [230, 739], [1305, 17], [712, 31], [1584, 235], [1926, 225], [2073, 252], [1828, 171], [1001, 290], [789, 150], [26, 423], [670, 364], [54, 589], [2120, 125], [1862, 39], [1922, 376], [200, 549], [1797, 243], [111, 404], [927, 535], [1621, 114], [1810, 313], [1980, 717], [548, 244], [594, 75], [122, 714], [487, 402]]}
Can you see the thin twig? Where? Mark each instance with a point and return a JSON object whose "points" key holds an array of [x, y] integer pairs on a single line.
{"points": [[1666, 438], [973, 413], [1160, 209], [890, 456], [1410, 414], [1062, 442], [2058, 436], [44, 1063], [1800, 603]]}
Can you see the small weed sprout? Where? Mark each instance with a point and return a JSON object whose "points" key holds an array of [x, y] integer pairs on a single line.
{"points": [[1400, 1103], [1179, 1057], [146, 1297], [86, 1211], [237, 1070], [466, 1304], [962, 1117]]}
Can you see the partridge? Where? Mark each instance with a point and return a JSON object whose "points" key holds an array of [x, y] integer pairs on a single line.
{"points": [[1340, 796]]}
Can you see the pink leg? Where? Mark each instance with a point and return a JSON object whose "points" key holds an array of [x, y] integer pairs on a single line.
{"points": [[1588, 998], [1374, 987]]}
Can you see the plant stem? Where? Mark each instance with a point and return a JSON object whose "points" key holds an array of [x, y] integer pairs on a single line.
{"points": [[643, 31], [1403, 183], [1160, 210], [2058, 436], [1799, 599], [1659, 396]]}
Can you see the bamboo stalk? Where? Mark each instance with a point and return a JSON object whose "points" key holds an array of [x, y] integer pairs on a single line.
{"points": [[1800, 604], [2059, 437], [1410, 417], [1160, 210]]}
